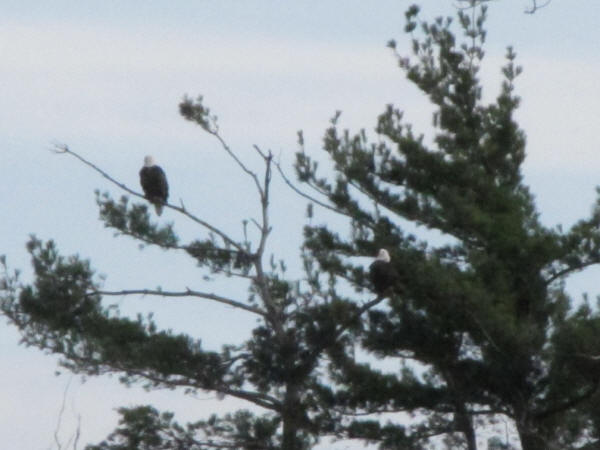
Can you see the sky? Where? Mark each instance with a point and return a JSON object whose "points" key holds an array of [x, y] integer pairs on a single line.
{"points": [[106, 77]]}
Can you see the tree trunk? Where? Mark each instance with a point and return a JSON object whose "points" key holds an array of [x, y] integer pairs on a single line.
{"points": [[529, 437], [291, 418], [470, 436], [466, 426]]}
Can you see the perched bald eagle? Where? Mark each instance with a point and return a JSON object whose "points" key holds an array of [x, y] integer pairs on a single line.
{"points": [[382, 273], [154, 183]]}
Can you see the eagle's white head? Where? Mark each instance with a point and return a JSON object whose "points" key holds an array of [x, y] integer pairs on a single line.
{"points": [[148, 161], [383, 255]]}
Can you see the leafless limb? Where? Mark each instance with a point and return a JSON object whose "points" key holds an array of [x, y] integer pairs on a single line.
{"points": [[264, 227], [473, 3], [305, 195], [64, 149], [60, 415], [535, 6], [77, 432], [187, 293], [75, 437], [226, 147], [263, 189], [264, 200], [265, 230]]}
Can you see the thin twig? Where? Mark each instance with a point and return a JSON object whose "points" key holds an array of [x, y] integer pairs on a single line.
{"points": [[483, 330], [226, 147], [77, 432], [305, 195], [535, 6], [60, 414]]}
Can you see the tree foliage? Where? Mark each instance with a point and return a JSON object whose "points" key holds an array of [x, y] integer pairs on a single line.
{"points": [[479, 325]]}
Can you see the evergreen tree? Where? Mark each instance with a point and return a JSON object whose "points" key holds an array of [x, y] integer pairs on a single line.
{"points": [[483, 317], [65, 311]]}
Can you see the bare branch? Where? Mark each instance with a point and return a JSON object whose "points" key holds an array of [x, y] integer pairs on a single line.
{"points": [[260, 152], [226, 147], [62, 149], [474, 3], [77, 432], [535, 6], [60, 415], [187, 293], [307, 196], [265, 229]]}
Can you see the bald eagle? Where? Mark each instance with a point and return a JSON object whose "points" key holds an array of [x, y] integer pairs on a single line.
{"points": [[154, 183], [382, 273]]}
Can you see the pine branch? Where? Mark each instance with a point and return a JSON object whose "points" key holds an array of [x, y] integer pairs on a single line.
{"points": [[64, 149], [569, 403], [568, 270], [187, 293], [266, 401], [257, 398]]}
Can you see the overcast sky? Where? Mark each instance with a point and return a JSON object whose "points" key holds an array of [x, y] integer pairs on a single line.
{"points": [[106, 78]]}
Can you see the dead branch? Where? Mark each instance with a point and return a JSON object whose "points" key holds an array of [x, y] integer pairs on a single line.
{"points": [[75, 437], [305, 195], [468, 4], [226, 147], [535, 6]]}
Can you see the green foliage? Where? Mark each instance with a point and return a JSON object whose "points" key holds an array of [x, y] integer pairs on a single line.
{"points": [[481, 314], [219, 259], [144, 428], [61, 312], [134, 220], [196, 111]]}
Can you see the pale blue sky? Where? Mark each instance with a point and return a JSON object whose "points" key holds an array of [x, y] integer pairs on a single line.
{"points": [[106, 78]]}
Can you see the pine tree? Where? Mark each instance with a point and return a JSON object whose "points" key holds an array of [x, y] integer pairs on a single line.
{"points": [[484, 317], [66, 311]]}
